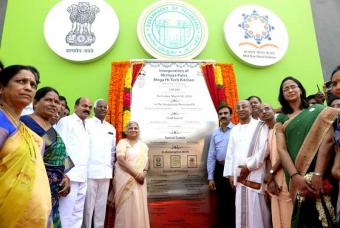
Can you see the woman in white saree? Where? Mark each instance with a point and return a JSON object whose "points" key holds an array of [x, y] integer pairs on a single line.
{"points": [[129, 181]]}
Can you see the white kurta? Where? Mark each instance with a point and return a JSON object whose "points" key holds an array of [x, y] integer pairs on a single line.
{"points": [[77, 142], [251, 210], [99, 171]]}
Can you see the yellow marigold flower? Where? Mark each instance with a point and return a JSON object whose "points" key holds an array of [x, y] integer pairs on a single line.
{"points": [[218, 76], [126, 118], [128, 79]]}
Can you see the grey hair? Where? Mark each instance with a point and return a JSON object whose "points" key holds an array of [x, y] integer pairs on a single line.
{"points": [[96, 102], [129, 124]]}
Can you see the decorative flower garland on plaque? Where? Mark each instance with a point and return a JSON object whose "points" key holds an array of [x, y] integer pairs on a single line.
{"points": [[124, 74], [127, 98]]}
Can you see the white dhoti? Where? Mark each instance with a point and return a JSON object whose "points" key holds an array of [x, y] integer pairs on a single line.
{"points": [[95, 203], [71, 207], [251, 209], [247, 147]]}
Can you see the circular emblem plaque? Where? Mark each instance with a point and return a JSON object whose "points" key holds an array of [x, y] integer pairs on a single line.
{"points": [[172, 30], [80, 30], [255, 35]]}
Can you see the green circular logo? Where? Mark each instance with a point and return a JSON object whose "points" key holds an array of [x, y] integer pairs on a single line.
{"points": [[172, 30]]}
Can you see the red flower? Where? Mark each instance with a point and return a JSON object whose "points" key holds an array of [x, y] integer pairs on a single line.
{"points": [[127, 99], [327, 186]]}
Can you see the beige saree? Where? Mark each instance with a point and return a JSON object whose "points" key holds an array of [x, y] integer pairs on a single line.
{"points": [[130, 197]]}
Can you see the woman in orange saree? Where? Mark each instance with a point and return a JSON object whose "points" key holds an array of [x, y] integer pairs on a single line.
{"points": [[129, 181], [25, 199]]}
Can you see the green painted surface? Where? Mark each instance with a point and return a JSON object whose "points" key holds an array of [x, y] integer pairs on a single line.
{"points": [[23, 43]]}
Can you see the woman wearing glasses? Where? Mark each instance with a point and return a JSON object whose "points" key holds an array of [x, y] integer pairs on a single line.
{"points": [[305, 141]]}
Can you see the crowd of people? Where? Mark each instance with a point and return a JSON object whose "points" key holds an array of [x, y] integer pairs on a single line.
{"points": [[283, 164], [56, 167], [275, 168]]}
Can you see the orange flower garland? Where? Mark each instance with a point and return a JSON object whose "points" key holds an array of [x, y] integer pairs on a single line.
{"points": [[229, 82], [116, 95]]}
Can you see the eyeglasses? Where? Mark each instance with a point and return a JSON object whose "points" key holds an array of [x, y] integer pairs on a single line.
{"points": [[291, 87]]}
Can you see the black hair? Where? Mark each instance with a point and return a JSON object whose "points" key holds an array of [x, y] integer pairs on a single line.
{"points": [[9, 72], [43, 91], [62, 98], [78, 101], [286, 109], [334, 71], [1, 65], [221, 106], [333, 98], [258, 98], [310, 97]]}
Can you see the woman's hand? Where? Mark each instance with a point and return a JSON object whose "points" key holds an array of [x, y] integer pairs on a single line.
{"points": [[66, 186], [317, 185], [302, 186], [140, 177]]}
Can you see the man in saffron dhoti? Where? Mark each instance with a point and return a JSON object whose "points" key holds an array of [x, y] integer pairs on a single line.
{"points": [[281, 203], [245, 168]]}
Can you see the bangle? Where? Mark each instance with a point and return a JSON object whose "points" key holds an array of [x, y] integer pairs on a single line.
{"points": [[317, 174], [294, 174]]}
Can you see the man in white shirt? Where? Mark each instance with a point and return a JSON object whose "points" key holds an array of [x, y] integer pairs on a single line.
{"points": [[100, 167], [245, 167], [73, 130]]}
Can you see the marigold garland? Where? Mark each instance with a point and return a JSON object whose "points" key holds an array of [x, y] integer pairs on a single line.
{"points": [[116, 93], [127, 98], [230, 87]]}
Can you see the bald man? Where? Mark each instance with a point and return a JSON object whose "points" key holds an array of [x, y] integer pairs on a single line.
{"points": [[245, 167], [73, 131]]}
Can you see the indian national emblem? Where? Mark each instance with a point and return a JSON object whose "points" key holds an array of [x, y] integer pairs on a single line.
{"points": [[82, 16]]}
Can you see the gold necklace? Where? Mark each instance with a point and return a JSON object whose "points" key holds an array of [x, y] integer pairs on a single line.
{"points": [[10, 116], [27, 137]]}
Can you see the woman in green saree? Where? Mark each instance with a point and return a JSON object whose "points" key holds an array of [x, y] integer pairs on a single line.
{"points": [[46, 104], [304, 139]]}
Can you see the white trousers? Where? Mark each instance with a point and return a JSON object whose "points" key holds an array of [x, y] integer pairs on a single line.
{"points": [[95, 202], [71, 207]]}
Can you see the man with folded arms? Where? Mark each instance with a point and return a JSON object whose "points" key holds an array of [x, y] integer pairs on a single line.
{"points": [[281, 203], [245, 168]]}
